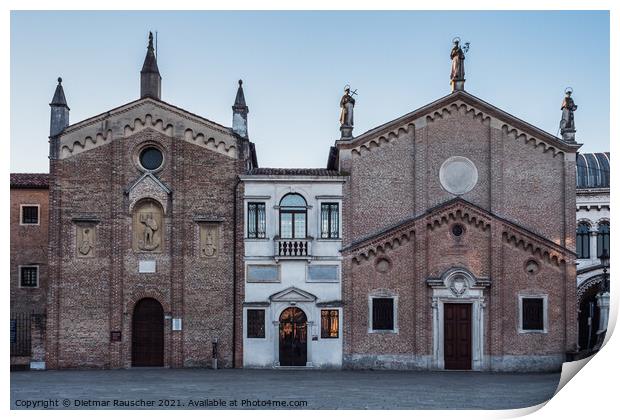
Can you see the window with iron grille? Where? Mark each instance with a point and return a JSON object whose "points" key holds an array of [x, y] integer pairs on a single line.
{"points": [[329, 323], [330, 226], [30, 215], [532, 315], [256, 220], [256, 323], [29, 276], [383, 313]]}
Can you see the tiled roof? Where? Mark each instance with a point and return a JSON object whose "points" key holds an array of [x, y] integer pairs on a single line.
{"points": [[29, 180], [294, 171]]}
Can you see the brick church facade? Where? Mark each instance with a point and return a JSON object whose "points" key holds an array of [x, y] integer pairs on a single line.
{"points": [[143, 234], [454, 246], [459, 227]]}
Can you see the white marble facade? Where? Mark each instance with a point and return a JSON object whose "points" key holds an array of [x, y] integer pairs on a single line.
{"points": [[292, 271]]}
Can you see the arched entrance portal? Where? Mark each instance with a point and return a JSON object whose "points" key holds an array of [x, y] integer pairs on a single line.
{"points": [[293, 337], [147, 339], [589, 316]]}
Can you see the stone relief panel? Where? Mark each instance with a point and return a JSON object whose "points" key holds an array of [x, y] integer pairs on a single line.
{"points": [[85, 240], [148, 226], [209, 239]]}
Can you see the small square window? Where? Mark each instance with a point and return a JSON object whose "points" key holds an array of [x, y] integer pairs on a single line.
{"points": [[383, 314], [329, 323], [532, 314], [30, 215], [256, 323], [29, 276]]}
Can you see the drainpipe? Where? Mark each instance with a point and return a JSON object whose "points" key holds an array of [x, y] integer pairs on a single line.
{"points": [[234, 324]]}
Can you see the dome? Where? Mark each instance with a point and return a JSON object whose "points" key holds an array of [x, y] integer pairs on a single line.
{"points": [[592, 170]]}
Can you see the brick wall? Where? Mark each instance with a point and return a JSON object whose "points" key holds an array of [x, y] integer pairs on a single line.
{"points": [[95, 296]]}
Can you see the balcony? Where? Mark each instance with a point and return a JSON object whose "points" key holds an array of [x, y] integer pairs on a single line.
{"points": [[292, 248]]}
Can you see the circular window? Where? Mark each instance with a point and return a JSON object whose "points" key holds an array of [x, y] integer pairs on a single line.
{"points": [[383, 265], [151, 158], [531, 267], [458, 230], [458, 175]]}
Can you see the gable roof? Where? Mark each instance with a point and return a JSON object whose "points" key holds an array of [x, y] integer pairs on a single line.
{"points": [[473, 101], [477, 215]]}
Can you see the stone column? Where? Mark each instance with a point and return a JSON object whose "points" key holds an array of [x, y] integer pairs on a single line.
{"points": [[309, 343], [593, 235], [276, 343], [602, 301]]}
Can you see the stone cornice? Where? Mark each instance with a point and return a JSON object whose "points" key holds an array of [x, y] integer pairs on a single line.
{"points": [[458, 209], [145, 114]]}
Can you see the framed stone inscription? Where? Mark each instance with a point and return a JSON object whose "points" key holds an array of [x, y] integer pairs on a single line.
{"points": [[85, 240], [148, 226], [209, 239]]}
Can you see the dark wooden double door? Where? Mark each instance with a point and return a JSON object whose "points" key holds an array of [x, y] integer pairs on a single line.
{"points": [[293, 337], [147, 339], [457, 336]]}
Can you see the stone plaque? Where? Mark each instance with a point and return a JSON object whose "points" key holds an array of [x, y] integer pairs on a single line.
{"points": [[147, 266], [458, 175], [148, 226], [263, 273], [85, 240], [209, 239], [323, 273], [177, 324]]}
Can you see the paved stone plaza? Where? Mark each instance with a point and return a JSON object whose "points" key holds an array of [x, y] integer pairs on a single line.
{"points": [[300, 389]]}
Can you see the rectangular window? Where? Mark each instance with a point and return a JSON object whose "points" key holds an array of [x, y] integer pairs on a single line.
{"points": [[29, 276], [532, 314], [256, 220], [330, 226], [382, 313], [256, 323], [329, 323], [30, 215]]}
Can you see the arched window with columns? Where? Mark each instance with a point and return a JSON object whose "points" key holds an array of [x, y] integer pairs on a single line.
{"points": [[602, 239], [583, 240]]}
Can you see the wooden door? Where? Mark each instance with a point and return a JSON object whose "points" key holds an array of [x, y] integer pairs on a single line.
{"points": [[293, 337], [457, 335], [147, 340]]}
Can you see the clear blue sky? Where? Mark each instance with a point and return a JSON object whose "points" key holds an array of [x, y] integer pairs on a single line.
{"points": [[294, 65]]}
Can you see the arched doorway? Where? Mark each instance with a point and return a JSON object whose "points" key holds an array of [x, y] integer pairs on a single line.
{"points": [[293, 337], [589, 316], [147, 339]]}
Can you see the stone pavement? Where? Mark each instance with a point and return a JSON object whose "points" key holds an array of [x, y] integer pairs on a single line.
{"points": [[272, 389]]}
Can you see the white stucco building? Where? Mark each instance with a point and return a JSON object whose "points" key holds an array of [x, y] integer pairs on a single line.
{"points": [[292, 310], [592, 239]]}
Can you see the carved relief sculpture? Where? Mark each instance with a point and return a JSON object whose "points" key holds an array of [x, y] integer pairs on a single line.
{"points": [[85, 241], [148, 226], [209, 240]]}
